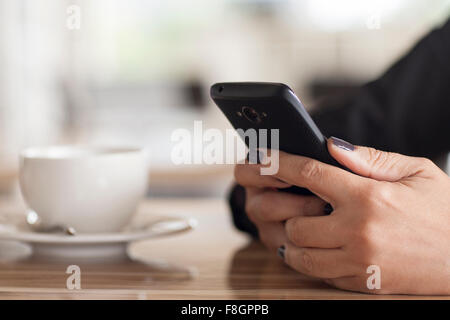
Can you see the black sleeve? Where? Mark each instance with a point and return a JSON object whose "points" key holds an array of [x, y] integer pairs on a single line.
{"points": [[237, 206], [407, 110]]}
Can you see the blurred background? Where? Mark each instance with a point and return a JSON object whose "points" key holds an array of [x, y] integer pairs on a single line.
{"points": [[112, 72]]}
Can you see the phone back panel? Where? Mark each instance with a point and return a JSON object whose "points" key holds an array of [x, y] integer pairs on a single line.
{"points": [[278, 108]]}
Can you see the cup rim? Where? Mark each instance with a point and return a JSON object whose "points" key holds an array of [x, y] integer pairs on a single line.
{"points": [[85, 151]]}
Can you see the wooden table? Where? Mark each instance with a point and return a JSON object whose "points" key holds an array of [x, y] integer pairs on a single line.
{"points": [[212, 262]]}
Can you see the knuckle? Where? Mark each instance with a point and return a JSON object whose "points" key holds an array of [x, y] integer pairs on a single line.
{"points": [[308, 262], [266, 207], [377, 193], [251, 209], [260, 207], [376, 157], [238, 172], [366, 257], [367, 229], [309, 206], [293, 232], [426, 164], [310, 169], [365, 243], [366, 194], [384, 192], [366, 237], [379, 159]]}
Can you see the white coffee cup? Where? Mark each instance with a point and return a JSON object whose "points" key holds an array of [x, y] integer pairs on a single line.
{"points": [[91, 189]]}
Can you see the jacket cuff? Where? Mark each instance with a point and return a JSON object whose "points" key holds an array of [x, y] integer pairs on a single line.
{"points": [[236, 199]]}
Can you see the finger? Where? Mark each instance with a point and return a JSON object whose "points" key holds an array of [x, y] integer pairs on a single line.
{"points": [[372, 163], [316, 232], [272, 235], [273, 206], [350, 283], [319, 263], [248, 175], [328, 182]]}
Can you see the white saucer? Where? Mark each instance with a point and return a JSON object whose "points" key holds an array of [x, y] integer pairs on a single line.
{"points": [[99, 245]]}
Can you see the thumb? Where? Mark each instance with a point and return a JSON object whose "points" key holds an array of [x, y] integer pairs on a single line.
{"points": [[372, 163]]}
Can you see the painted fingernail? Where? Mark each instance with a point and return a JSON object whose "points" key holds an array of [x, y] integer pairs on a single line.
{"points": [[261, 157], [342, 144], [328, 209], [281, 251]]}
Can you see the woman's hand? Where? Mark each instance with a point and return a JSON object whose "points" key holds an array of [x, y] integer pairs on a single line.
{"points": [[268, 208], [392, 212]]}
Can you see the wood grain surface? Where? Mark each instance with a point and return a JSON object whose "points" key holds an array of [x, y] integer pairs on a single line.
{"points": [[212, 262]]}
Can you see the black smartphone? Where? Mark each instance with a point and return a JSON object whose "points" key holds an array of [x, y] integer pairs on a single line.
{"points": [[263, 105]]}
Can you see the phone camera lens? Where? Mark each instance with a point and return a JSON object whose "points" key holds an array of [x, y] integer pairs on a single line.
{"points": [[251, 114]]}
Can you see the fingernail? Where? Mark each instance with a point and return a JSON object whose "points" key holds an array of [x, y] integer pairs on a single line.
{"points": [[342, 144], [328, 209], [281, 251], [261, 157]]}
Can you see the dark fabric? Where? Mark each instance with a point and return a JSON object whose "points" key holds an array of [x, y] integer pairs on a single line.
{"points": [[237, 205], [407, 110]]}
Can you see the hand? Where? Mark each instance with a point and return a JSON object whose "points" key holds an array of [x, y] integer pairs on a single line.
{"points": [[268, 208], [394, 213]]}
